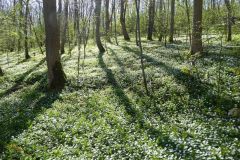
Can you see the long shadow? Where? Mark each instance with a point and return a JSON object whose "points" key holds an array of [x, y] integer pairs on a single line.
{"points": [[117, 88], [116, 58], [20, 115], [195, 87], [136, 117], [18, 82], [123, 70]]}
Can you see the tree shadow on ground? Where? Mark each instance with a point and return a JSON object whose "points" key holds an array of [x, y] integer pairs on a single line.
{"points": [[19, 115], [136, 117], [19, 80], [195, 87], [119, 62]]}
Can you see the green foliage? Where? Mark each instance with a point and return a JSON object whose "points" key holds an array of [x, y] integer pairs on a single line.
{"points": [[105, 114]]}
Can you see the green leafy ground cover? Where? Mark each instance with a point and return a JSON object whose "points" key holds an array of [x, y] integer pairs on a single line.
{"points": [[105, 114]]}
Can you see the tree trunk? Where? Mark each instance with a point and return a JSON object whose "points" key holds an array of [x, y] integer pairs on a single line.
{"points": [[98, 4], [59, 19], [172, 21], [161, 25], [115, 21], [123, 8], [76, 21], [229, 20], [151, 17], [65, 23], [188, 19], [140, 45], [1, 72], [197, 27], [26, 30], [213, 3], [107, 21], [19, 45], [56, 76]]}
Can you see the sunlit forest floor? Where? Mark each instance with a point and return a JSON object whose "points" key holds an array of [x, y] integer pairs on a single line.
{"points": [[106, 115]]}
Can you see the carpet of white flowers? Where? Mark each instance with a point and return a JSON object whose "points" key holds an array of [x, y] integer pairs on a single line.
{"points": [[105, 113]]}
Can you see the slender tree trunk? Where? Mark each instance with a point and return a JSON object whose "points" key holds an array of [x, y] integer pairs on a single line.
{"points": [[197, 27], [98, 4], [161, 25], [172, 21], [20, 26], [27, 56], [213, 4], [151, 18], [76, 8], [65, 23], [14, 21], [188, 19], [115, 21], [56, 76], [229, 20], [140, 45], [123, 5]]}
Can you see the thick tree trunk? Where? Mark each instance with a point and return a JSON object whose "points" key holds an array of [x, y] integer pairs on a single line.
{"points": [[197, 27], [59, 19], [56, 76], [98, 4], [123, 5], [172, 21], [107, 21], [151, 17], [65, 26], [27, 56], [229, 20]]}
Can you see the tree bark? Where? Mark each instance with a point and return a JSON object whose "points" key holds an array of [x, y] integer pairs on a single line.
{"points": [[140, 46], [161, 15], [188, 19], [98, 4], [213, 3], [65, 26], [27, 56], [229, 20], [76, 20], [115, 21], [197, 27], [56, 76], [172, 21], [107, 21], [19, 45], [123, 7], [151, 17], [59, 20]]}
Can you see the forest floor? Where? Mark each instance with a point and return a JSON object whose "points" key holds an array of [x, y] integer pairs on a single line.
{"points": [[106, 114]]}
